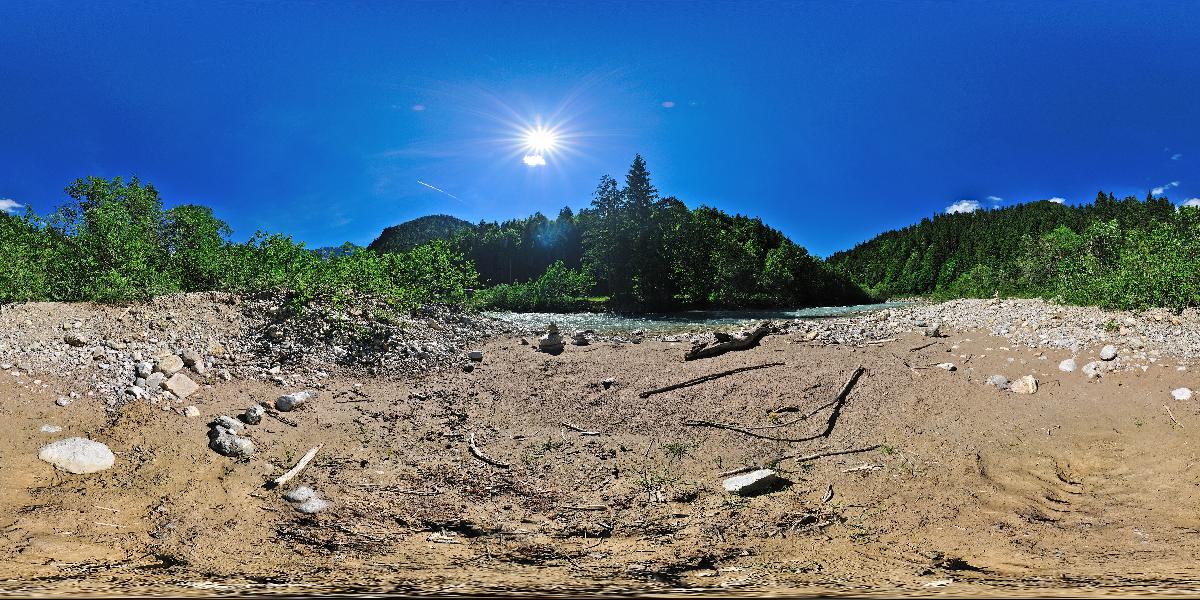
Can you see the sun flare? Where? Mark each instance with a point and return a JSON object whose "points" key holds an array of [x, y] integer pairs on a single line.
{"points": [[540, 140]]}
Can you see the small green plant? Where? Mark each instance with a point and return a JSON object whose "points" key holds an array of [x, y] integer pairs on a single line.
{"points": [[887, 449], [1112, 325], [677, 450]]}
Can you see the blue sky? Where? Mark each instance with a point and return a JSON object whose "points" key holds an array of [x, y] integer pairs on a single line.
{"points": [[832, 121]]}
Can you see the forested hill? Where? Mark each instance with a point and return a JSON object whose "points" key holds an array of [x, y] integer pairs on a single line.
{"points": [[1111, 252], [643, 251], [417, 232]]}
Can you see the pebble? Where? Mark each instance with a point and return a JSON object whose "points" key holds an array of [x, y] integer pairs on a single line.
{"points": [[1067, 366], [191, 411], [998, 381], [169, 365], [947, 366], [50, 429], [1182, 394], [1108, 352], [1093, 369], [63, 401], [232, 445], [78, 455], [475, 355]]}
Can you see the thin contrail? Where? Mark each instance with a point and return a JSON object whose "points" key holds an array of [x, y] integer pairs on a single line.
{"points": [[438, 189]]}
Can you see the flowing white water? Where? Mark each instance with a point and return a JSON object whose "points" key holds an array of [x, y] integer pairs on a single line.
{"points": [[612, 323]]}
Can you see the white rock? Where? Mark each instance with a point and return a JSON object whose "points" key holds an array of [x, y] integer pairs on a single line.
{"points": [[947, 366], [1182, 394], [63, 401], [290, 402], [78, 455], [1067, 366], [50, 429], [754, 482], [191, 411], [1025, 385], [1108, 352], [181, 385], [998, 381], [1093, 369]]}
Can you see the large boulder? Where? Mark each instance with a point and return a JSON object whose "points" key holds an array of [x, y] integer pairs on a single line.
{"points": [[78, 455]]}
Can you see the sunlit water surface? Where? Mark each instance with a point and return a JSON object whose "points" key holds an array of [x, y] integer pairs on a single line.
{"points": [[615, 324]]}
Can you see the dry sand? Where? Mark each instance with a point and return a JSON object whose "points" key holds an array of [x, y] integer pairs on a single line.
{"points": [[1083, 486]]}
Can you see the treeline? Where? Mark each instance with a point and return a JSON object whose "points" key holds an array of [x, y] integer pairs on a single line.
{"points": [[1113, 253], [644, 252], [114, 242]]}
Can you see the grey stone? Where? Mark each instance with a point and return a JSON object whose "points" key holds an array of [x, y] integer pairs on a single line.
{"points": [[312, 506], [290, 402], [155, 381], [998, 381], [1067, 366], [227, 423], [1108, 352], [75, 339], [63, 401], [754, 482], [947, 366], [934, 330], [190, 357], [254, 414], [78, 455], [232, 445], [1093, 369], [475, 355]]}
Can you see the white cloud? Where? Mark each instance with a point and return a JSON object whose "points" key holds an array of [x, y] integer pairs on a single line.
{"points": [[534, 160], [1176, 156], [995, 198], [668, 104], [1058, 200], [963, 206], [10, 206], [1158, 191], [1193, 202]]}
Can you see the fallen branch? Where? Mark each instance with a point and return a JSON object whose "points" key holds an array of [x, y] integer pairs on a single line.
{"points": [[278, 417], [737, 471], [811, 457], [745, 342], [838, 402], [921, 347], [477, 453], [704, 379], [286, 477], [879, 341], [1172, 415], [579, 430], [586, 507]]}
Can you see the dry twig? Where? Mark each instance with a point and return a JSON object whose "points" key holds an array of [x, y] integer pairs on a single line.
{"points": [[705, 378], [477, 453], [286, 477], [579, 430]]}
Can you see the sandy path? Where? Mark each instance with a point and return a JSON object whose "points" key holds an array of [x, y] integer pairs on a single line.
{"points": [[1081, 486]]}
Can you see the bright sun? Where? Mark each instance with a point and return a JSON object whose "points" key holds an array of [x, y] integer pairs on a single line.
{"points": [[540, 140]]}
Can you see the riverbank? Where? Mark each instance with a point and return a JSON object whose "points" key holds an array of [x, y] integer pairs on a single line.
{"points": [[525, 470]]}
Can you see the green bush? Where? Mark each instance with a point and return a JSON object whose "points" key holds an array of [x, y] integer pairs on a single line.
{"points": [[114, 242], [559, 289]]}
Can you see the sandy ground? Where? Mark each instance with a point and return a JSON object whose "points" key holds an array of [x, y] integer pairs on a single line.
{"points": [[1085, 486]]}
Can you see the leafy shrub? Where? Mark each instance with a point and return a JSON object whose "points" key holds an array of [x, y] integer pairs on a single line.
{"points": [[558, 289]]}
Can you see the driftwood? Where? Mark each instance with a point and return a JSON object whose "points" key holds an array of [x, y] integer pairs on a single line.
{"points": [[286, 477], [922, 347], [838, 402], [827, 454], [745, 342], [699, 380], [477, 453]]}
